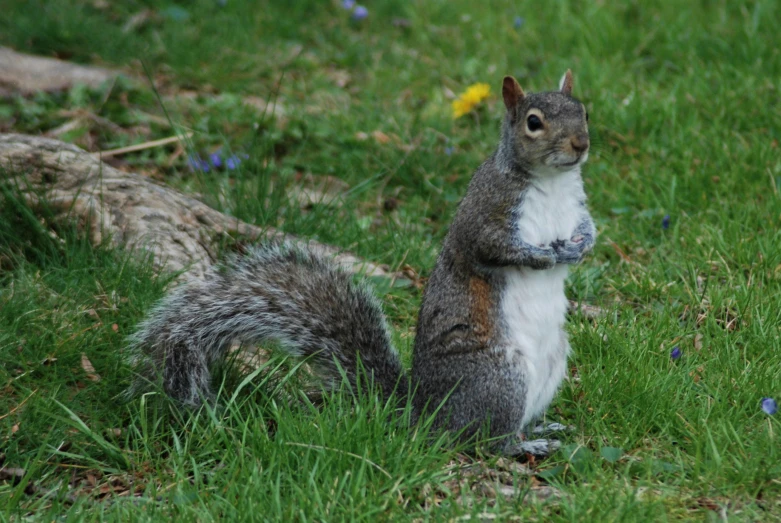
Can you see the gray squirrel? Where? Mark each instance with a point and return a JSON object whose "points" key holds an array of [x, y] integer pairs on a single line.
{"points": [[490, 349]]}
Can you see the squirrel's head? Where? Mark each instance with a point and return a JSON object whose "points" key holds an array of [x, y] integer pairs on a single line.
{"points": [[546, 132]]}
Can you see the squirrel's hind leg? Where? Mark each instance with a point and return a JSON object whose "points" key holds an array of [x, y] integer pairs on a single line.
{"points": [[482, 387]]}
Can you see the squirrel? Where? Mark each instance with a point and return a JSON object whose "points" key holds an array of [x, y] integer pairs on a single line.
{"points": [[490, 349]]}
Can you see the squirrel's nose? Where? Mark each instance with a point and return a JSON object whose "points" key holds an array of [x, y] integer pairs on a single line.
{"points": [[579, 143]]}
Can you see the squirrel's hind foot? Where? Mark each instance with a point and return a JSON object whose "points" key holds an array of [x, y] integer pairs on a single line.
{"points": [[542, 447], [550, 429], [539, 448]]}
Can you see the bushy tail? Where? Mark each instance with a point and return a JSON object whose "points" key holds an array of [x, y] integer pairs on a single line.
{"points": [[281, 293]]}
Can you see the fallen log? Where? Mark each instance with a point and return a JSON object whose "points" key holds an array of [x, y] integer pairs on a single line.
{"points": [[130, 210]]}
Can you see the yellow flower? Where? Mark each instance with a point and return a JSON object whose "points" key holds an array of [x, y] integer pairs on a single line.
{"points": [[470, 98]]}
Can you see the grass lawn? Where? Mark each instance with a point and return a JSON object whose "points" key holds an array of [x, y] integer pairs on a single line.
{"points": [[683, 180]]}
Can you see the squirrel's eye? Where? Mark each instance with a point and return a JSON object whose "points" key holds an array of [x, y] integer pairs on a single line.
{"points": [[534, 123], [587, 116]]}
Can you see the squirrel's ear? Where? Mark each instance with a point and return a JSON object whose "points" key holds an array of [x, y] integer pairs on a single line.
{"points": [[511, 92], [565, 85]]}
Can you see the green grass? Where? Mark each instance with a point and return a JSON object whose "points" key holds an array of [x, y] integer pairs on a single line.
{"points": [[685, 120]]}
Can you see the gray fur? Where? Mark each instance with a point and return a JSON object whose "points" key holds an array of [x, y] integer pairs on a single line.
{"points": [[280, 293], [315, 310]]}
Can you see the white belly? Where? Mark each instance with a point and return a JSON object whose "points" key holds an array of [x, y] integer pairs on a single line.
{"points": [[534, 305], [551, 208], [534, 308]]}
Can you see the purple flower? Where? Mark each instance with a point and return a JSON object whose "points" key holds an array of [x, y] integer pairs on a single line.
{"points": [[666, 221], [675, 353], [196, 163], [216, 160], [769, 405], [449, 150], [360, 12], [232, 162], [348, 4], [518, 22]]}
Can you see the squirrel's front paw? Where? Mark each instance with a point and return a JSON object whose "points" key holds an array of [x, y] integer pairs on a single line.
{"points": [[572, 251], [585, 241], [545, 259]]}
